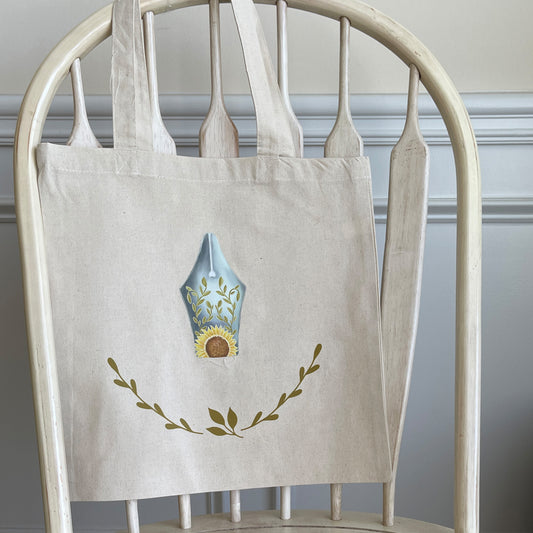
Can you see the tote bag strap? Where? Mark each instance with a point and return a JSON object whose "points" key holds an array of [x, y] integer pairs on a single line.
{"points": [[274, 135], [132, 114], [132, 123]]}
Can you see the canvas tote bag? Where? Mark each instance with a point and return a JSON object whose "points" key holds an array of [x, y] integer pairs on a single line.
{"points": [[216, 321]]}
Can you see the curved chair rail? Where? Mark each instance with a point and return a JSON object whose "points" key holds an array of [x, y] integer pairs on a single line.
{"points": [[80, 41], [300, 522]]}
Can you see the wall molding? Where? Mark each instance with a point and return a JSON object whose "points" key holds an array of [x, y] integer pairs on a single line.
{"points": [[440, 210], [497, 118], [7, 209]]}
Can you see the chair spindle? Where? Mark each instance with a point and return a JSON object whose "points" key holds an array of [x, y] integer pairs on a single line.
{"points": [[336, 500], [344, 141], [235, 505], [388, 502], [132, 516], [184, 504], [285, 503], [402, 273], [218, 133], [82, 133]]}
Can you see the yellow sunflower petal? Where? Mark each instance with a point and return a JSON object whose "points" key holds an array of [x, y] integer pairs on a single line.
{"points": [[215, 341]]}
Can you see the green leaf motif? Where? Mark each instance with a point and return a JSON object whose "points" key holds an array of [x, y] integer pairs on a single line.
{"points": [[112, 364], [257, 418], [121, 383], [282, 399], [272, 417], [313, 369], [219, 432], [143, 405], [183, 422], [318, 349], [302, 373], [133, 386], [232, 418], [158, 410], [295, 393], [204, 282], [171, 426], [216, 417]]}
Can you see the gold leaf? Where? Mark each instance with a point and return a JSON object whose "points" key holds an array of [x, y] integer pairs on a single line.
{"points": [[219, 432], [216, 417], [232, 418], [112, 364]]}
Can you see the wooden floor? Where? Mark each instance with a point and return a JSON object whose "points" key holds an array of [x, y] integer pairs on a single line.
{"points": [[301, 522]]}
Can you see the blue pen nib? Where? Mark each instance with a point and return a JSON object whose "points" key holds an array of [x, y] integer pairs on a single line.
{"points": [[213, 296]]}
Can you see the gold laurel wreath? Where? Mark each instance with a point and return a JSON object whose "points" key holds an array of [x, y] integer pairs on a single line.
{"points": [[226, 426]]}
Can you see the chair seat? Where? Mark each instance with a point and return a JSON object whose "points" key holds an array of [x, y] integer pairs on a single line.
{"points": [[301, 522]]}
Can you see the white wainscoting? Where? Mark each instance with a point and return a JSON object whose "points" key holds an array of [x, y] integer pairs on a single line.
{"points": [[504, 127]]}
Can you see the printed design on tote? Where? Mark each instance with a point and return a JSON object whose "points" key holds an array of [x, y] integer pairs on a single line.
{"points": [[226, 426], [213, 296]]}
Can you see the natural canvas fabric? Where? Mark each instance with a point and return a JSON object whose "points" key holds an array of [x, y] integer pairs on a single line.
{"points": [[152, 407]]}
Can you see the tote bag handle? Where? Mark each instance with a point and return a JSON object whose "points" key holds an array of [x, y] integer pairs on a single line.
{"points": [[132, 123]]}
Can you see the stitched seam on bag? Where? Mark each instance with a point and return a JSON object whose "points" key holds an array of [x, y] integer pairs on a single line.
{"points": [[322, 179]]}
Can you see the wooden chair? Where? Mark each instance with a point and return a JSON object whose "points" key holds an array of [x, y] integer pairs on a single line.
{"points": [[399, 305]]}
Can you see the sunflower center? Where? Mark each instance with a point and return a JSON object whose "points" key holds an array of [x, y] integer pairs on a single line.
{"points": [[217, 347]]}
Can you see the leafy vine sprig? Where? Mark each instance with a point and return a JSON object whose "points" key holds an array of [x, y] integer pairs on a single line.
{"points": [[227, 424], [196, 306], [231, 304], [197, 298], [143, 404], [218, 418], [259, 418]]}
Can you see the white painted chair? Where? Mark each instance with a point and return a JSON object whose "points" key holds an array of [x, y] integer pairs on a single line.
{"points": [[401, 272]]}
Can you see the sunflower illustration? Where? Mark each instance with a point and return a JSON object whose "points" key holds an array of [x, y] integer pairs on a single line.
{"points": [[215, 342]]}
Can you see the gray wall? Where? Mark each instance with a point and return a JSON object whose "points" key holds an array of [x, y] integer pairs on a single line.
{"points": [[490, 47], [504, 125]]}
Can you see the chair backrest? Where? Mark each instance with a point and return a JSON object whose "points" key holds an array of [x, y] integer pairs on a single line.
{"points": [[399, 307]]}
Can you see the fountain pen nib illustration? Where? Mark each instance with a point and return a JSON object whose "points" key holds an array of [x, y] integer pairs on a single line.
{"points": [[213, 296]]}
